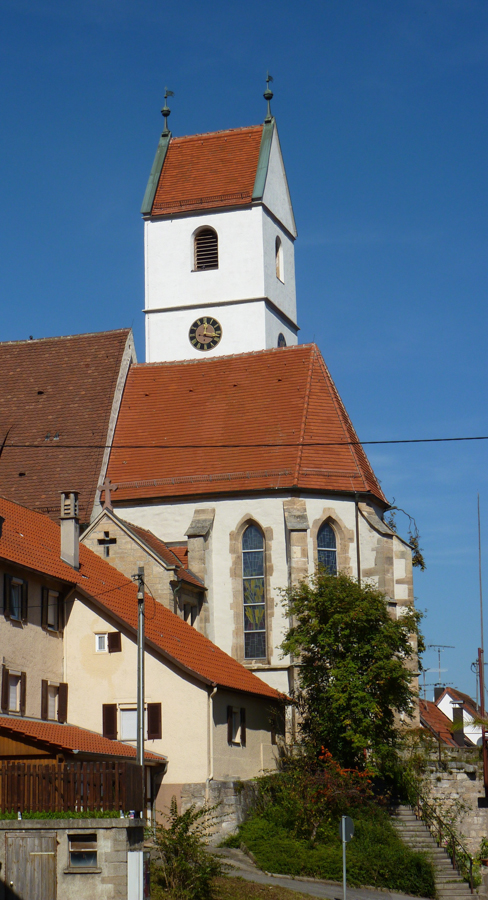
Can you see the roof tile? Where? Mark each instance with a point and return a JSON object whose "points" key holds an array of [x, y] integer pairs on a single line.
{"points": [[70, 738]]}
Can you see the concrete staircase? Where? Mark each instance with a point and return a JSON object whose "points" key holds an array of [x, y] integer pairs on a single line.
{"points": [[449, 884]]}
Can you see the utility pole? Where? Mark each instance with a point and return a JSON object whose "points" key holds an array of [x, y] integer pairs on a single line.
{"points": [[140, 674], [481, 663]]}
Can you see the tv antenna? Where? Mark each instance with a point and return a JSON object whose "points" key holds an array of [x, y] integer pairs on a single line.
{"points": [[440, 648]]}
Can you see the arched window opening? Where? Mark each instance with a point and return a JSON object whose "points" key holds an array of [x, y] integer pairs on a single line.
{"points": [[206, 249], [253, 593], [279, 259], [327, 549]]}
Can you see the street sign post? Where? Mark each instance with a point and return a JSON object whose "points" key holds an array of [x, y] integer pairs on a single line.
{"points": [[346, 832]]}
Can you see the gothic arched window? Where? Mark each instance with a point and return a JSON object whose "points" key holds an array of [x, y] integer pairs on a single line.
{"points": [[206, 249], [279, 259], [253, 593], [327, 549]]}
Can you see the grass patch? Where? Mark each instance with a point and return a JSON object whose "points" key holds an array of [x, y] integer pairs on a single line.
{"points": [[227, 888], [376, 856]]}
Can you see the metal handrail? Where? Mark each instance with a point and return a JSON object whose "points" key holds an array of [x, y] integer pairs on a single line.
{"points": [[443, 828]]}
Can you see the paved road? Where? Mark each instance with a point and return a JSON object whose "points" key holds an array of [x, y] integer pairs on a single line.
{"points": [[244, 868]]}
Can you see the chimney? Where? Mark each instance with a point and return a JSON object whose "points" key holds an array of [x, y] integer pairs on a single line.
{"points": [[438, 692], [458, 723], [70, 529]]}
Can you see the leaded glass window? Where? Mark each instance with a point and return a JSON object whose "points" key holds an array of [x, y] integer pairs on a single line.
{"points": [[253, 593], [327, 549]]}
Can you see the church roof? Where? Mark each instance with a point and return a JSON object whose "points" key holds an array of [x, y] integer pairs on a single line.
{"points": [[32, 540], [165, 553], [207, 171], [259, 421], [56, 404]]}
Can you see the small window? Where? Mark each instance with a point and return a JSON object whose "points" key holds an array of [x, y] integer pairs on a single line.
{"points": [[327, 549], [279, 259], [128, 724], [190, 612], [206, 250], [101, 643], [52, 701], [82, 851], [14, 693], [281, 340], [50, 609], [105, 543], [236, 726], [15, 599]]}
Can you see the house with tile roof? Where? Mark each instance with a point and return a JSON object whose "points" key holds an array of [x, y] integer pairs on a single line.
{"points": [[461, 710], [69, 641], [244, 451], [59, 402]]}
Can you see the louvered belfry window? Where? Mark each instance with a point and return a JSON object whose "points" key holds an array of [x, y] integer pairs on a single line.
{"points": [[206, 249]]}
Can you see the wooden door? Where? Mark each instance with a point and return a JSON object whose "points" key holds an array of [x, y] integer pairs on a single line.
{"points": [[31, 865]]}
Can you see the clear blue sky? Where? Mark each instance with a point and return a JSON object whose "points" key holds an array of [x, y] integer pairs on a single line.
{"points": [[382, 113]]}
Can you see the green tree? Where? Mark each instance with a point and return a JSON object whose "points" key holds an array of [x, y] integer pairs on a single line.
{"points": [[355, 668]]}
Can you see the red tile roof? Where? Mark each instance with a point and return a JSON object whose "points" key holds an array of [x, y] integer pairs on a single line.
{"points": [[32, 540], [167, 554], [70, 738], [432, 718], [55, 406], [205, 171], [271, 420]]}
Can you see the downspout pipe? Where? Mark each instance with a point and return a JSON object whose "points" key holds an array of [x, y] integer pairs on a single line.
{"points": [[210, 730], [358, 551]]}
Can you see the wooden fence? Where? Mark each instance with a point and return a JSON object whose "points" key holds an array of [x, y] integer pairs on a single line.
{"points": [[70, 786]]}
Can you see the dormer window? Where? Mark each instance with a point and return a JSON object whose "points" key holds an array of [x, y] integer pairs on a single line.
{"points": [[206, 250], [279, 259]]}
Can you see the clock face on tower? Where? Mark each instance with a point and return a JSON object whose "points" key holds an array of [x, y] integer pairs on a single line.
{"points": [[205, 333]]}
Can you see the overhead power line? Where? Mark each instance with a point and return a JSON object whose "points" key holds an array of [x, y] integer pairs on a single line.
{"points": [[56, 444]]}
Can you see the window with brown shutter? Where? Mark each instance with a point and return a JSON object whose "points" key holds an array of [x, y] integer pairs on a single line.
{"points": [[4, 703], [114, 641], [15, 598], [154, 722], [206, 249], [23, 690], [109, 721], [44, 699], [63, 702], [243, 726]]}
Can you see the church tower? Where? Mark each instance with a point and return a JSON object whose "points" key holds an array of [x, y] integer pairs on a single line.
{"points": [[219, 236]]}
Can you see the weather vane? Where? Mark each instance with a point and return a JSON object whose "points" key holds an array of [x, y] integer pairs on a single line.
{"points": [[268, 96], [166, 110]]}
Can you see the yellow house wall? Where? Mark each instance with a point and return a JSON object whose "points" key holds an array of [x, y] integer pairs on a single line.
{"points": [[25, 646], [234, 761]]}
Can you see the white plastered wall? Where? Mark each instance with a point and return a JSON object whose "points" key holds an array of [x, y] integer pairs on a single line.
{"points": [[170, 522], [242, 323]]}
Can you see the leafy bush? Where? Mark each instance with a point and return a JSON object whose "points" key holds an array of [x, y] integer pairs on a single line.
{"points": [[184, 868]]}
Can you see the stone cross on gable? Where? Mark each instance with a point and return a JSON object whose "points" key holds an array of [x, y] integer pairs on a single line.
{"points": [[107, 487]]}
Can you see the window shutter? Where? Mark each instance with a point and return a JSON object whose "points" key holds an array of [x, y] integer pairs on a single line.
{"points": [[63, 702], [44, 606], [114, 642], [109, 719], [60, 612], [23, 687], [4, 702], [24, 601], [243, 726], [229, 724], [44, 699], [7, 581], [206, 249], [154, 730]]}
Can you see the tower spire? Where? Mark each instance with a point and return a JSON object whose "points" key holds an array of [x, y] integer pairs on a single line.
{"points": [[268, 96], [166, 110]]}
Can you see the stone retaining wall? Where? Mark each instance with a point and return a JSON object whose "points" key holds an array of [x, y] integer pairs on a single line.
{"points": [[456, 783], [233, 799]]}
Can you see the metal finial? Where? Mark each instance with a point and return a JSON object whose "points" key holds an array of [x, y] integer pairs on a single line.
{"points": [[166, 110], [268, 96]]}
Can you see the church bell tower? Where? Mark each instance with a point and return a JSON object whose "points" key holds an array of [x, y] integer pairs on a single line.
{"points": [[219, 236]]}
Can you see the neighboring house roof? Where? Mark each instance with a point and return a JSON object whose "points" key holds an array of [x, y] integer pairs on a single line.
{"points": [[57, 410], [467, 701], [263, 421], [32, 540], [70, 738], [204, 171], [432, 718], [166, 554]]}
